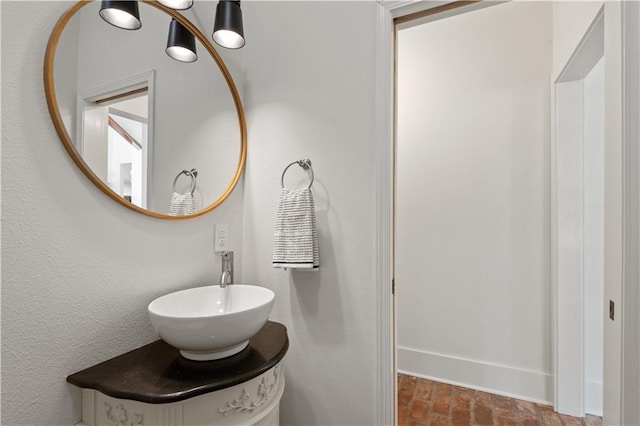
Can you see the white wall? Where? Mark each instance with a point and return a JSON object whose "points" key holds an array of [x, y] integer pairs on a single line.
{"points": [[571, 19], [71, 294], [593, 261], [77, 268], [310, 93], [472, 236]]}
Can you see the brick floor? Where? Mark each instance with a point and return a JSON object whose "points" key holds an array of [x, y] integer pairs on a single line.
{"points": [[423, 402]]}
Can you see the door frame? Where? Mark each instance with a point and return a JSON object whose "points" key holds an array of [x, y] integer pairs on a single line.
{"points": [[112, 90], [387, 13], [567, 240], [630, 303], [386, 382]]}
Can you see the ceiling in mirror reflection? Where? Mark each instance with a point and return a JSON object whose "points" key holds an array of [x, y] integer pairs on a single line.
{"points": [[190, 115]]}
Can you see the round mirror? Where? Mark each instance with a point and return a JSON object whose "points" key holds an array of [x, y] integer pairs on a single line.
{"points": [[153, 120]]}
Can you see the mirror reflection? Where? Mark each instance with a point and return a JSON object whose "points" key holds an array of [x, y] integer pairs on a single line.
{"points": [[140, 119]]}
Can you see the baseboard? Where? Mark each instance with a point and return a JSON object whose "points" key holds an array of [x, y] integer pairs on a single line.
{"points": [[593, 398], [503, 380]]}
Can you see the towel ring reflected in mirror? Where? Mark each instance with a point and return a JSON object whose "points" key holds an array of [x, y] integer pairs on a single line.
{"points": [[193, 174], [235, 147], [305, 164]]}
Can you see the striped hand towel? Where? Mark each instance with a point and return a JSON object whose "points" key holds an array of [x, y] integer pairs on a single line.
{"points": [[295, 241], [182, 204]]}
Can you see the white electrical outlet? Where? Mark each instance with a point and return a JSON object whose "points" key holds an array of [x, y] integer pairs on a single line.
{"points": [[221, 238]]}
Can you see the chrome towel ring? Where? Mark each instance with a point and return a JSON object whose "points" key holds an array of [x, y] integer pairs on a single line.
{"points": [[305, 164], [193, 174]]}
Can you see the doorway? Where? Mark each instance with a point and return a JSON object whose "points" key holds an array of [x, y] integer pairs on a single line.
{"points": [[578, 228], [127, 149], [473, 213], [621, 365], [115, 135]]}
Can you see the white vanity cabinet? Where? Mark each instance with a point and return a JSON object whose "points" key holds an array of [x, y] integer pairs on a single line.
{"points": [[153, 385], [255, 402]]}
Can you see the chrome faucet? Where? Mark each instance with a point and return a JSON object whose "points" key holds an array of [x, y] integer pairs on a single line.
{"points": [[227, 269]]}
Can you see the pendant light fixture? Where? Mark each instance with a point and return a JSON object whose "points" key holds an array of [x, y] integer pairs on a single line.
{"points": [[227, 30], [181, 44], [121, 14], [177, 4]]}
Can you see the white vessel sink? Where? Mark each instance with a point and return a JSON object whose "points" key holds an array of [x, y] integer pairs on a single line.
{"points": [[207, 323]]}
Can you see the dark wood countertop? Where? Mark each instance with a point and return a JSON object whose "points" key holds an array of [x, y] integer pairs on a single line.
{"points": [[157, 374]]}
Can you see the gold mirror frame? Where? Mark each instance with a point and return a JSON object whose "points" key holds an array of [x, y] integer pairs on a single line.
{"points": [[52, 103]]}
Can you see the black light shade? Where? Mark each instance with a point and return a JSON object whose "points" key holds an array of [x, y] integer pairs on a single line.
{"points": [[181, 44], [227, 30], [177, 4], [121, 14]]}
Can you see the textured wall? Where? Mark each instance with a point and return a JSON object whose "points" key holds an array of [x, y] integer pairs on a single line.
{"points": [[77, 269], [310, 93]]}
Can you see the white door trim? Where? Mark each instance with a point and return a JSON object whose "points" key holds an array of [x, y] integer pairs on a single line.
{"points": [[631, 214], [568, 241], [385, 360], [384, 160], [614, 225], [567, 221]]}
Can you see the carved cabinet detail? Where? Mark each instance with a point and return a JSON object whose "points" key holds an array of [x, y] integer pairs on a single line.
{"points": [[254, 402]]}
